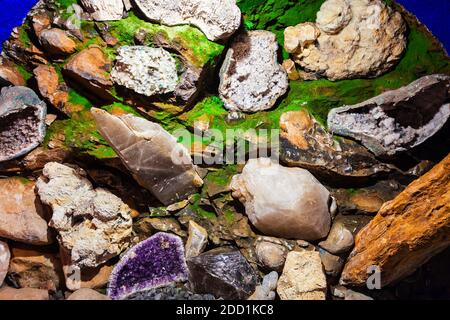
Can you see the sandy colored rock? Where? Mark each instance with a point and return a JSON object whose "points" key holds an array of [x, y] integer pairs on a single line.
{"points": [[93, 224], [8, 293], [339, 240], [40, 21], [91, 278], [283, 202], [9, 74], [87, 294], [251, 79], [302, 277], [5, 256], [152, 155], [289, 67], [271, 253], [350, 39], [197, 241], [22, 216], [56, 41], [216, 19], [104, 10], [407, 231]]}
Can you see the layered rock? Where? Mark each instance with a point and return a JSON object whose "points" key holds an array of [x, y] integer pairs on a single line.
{"points": [[396, 120], [302, 277], [223, 272], [152, 155], [22, 216], [283, 202], [147, 71], [305, 143], [350, 39], [104, 10], [155, 262], [93, 225], [9, 74], [217, 20], [251, 79], [56, 42], [407, 231], [5, 256], [22, 122]]}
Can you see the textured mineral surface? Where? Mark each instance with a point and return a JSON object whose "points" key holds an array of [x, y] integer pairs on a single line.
{"points": [[104, 10]]}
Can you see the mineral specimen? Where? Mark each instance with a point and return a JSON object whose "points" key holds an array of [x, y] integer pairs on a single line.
{"points": [[155, 262], [4, 260], [145, 70], [250, 78], [217, 19], [153, 156], [22, 122], [197, 241], [104, 10], [396, 120], [351, 39], [223, 272], [283, 202], [93, 225]]}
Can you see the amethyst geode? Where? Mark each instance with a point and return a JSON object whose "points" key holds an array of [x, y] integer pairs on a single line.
{"points": [[155, 262]]}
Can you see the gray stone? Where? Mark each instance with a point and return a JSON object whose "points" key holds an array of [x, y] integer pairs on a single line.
{"points": [[197, 241], [271, 253], [266, 290], [339, 240], [5, 256], [104, 10]]}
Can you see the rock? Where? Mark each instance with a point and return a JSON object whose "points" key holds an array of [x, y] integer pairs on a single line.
{"points": [[8, 293], [87, 294], [305, 143], [5, 256], [406, 232], [22, 122], [154, 262], [147, 226], [340, 239], [93, 224], [302, 277], [170, 292], [271, 253], [350, 39], [22, 216], [197, 241], [56, 42], [223, 272], [156, 160], [34, 269], [332, 264], [283, 202], [91, 278], [251, 79], [347, 294], [217, 20], [396, 120], [145, 70], [289, 67], [104, 10], [266, 291], [90, 68], [9, 74], [40, 22]]}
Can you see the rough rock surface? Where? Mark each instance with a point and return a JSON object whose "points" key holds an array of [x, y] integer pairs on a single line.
{"points": [[197, 241], [251, 79], [223, 272], [9, 75], [271, 253], [22, 122], [155, 262], [104, 10], [87, 294], [216, 19], [56, 41], [93, 225], [351, 39], [153, 156], [5, 256], [283, 202], [145, 70], [8, 293], [171, 292], [302, 277], [22, 216], [407, 231], [396, 120], [266, 290], [339, 240], [305, 143]]}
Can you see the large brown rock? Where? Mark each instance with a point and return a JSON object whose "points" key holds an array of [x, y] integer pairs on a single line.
{"points": [[407, 231], [9, 75], [8, 293], [56, 41], [22, 216]]}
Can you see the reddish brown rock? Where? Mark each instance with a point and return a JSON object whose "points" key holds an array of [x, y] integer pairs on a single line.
{"points": [[90, 68], [40, 22], [9, 74], [22, 216], [87, 294], [7, 293], [56, 41], [91, 278], [406, 232]]}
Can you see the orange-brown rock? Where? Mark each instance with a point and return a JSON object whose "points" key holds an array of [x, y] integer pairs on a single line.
{"points": [[406, 232], [90, 68], [9, 75], [8, 293], [40, 22], [56, 41], [91, 278], [22, 216]]}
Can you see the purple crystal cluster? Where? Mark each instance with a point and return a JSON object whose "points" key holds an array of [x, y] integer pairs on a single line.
{"points": [[155, 262]]}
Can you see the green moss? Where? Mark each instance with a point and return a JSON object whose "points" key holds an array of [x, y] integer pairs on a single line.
{"points": [[196, 207], [118, 108], [64, 4], [24, 38], [24, 72], [221, 177], [77, 99]]}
